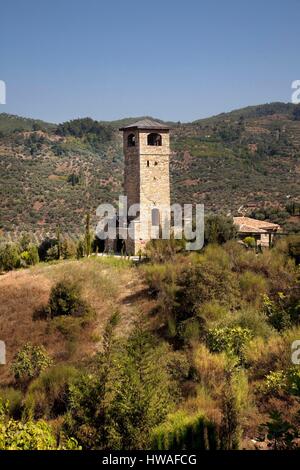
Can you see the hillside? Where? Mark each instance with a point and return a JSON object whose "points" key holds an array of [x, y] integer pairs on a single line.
{"points": [[50, 174], [25, 292], [125, 356]]}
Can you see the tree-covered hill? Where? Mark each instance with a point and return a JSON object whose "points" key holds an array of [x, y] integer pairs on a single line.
{"points": [[52, 174]]}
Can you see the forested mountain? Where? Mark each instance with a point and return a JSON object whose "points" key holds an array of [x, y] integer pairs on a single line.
{"points": [[52, 174]]}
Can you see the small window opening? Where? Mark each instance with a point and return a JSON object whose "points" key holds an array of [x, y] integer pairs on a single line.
{"points": [[154, 139], [155, 163], [131, 140], [148, 163], [155, 217]]}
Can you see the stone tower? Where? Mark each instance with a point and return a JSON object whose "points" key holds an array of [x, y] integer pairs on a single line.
{"points": [[146, 146]]}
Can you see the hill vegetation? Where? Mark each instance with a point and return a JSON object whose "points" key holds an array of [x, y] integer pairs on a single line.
{"points": [[246, 160], [185, 351]]}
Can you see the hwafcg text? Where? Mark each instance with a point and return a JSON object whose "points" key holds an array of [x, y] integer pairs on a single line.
{"points": [[151, 459]]}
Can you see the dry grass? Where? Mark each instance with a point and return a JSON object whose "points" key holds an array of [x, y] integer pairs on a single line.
{"points": [[107, 285]]}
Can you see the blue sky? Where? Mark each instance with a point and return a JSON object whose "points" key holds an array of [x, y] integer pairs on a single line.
{"points": [[176, 60]]}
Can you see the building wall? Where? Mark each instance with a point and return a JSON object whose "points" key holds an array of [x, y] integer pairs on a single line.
{"points": [[147, 180], [132, 169]]}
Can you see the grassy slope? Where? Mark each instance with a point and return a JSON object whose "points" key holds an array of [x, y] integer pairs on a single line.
{"points": [[23, 292]]}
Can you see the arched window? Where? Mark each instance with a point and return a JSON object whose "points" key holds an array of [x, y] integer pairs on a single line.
{"points": [[154, 139], [155, 217], [131, 140]]}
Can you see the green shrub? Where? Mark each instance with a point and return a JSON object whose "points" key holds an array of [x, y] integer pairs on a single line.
{"points": [[253, 320], [231, 340], [213, 312], [275, 382], [184, 432], [29, 362], [219, 229], [52, 253], [65, 299], [30, 256], [68, 249], [33, 254], [250, 242], [30, 435], [252, 286], [9, 257], [129, 394], [293, 381], [276, 313], [47, 396], [230, 431], [190, 330], [14, 399], [159, 251]]}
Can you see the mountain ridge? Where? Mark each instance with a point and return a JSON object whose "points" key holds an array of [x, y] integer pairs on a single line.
{"points": [[54, 173]]}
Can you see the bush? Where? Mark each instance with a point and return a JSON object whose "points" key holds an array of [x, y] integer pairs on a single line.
{"points": [[276, 313], [275, 382], [184, 432], [68, 249], [230, 340], [52, 253], [190, 331], [30, 435], [293, 381], [209, 369], [46, 245], [9, 257], [252, 286], [29, 362], [129, 394], [30, 256], [219, 229], [159, 251], [47, 396], [253, 320], [280, 433], [249, 241], [13, 398], [263, 355], [33, 254], [65, 299], [213, 312]]}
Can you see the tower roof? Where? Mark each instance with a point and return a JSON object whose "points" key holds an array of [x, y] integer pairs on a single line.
{"points": [[146, 124]]}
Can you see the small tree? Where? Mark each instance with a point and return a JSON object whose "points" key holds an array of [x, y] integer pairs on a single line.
{"points": [[87, 237], [68, 248], [9, 257], [219, 229], [58, 242], [33, 254]]}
